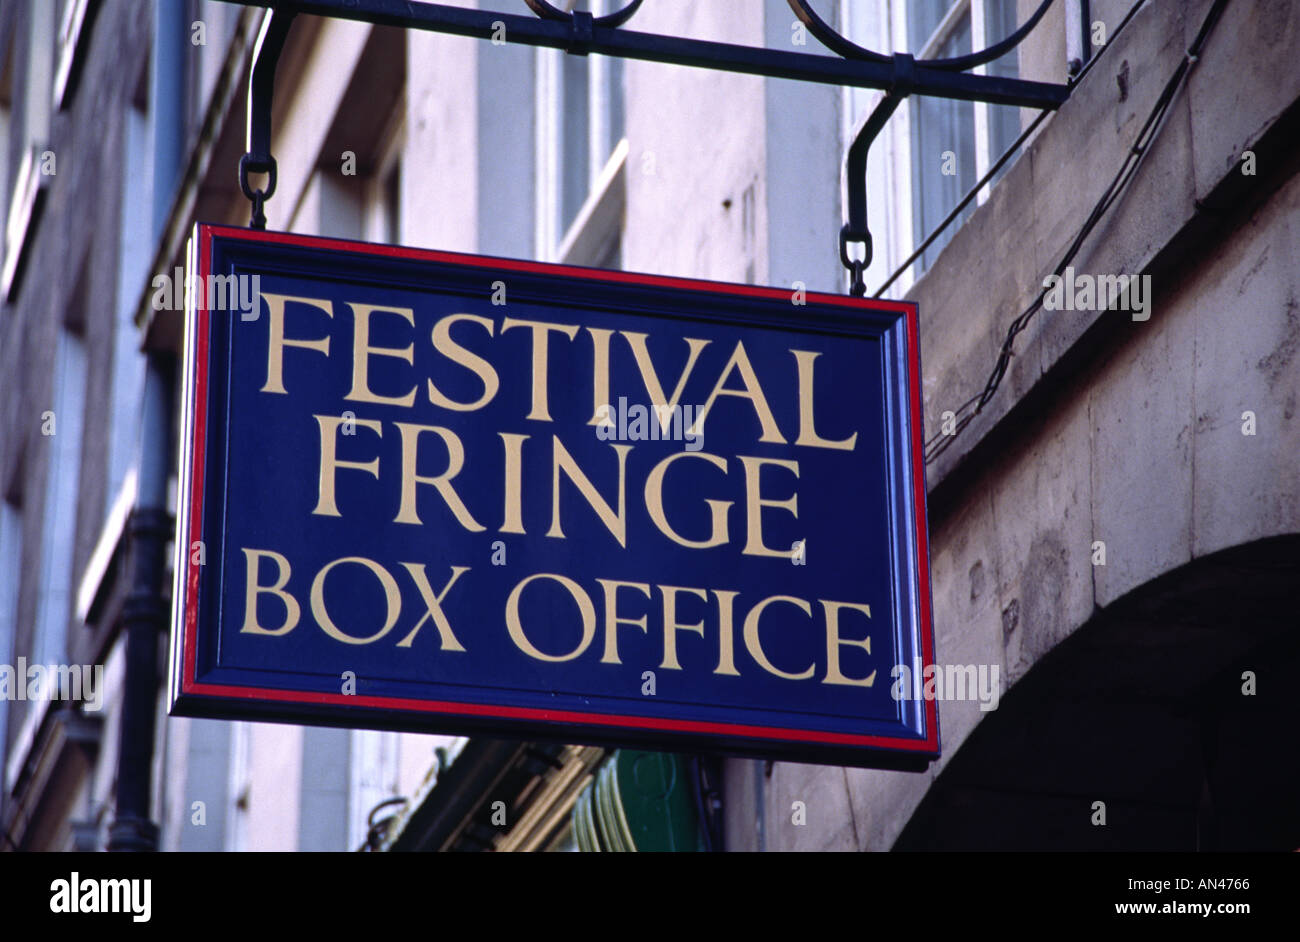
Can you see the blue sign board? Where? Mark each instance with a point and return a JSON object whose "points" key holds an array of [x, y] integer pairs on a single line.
{"points": [[452, 493]]}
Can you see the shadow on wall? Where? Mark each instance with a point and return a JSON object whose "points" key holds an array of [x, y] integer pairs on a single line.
{"points": [[1167, 722]]}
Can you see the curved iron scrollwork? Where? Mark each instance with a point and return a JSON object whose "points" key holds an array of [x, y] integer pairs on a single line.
{"points": [[546, 11], [832, 40], [580, 32], [855, 229], [841, 46], [261, 88]]}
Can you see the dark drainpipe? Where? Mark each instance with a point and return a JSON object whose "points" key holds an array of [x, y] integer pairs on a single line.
{"points": [[144, 622], [145, 614]]}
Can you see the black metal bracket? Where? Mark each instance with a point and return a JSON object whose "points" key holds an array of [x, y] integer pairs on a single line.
{"points": [[856, 229], [582, 23], [905, 69], [581, 33], [261, 92], [547, 11]]}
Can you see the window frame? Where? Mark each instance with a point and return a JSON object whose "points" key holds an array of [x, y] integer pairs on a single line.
{"points": [[890, 189], [377, 224], [75, 22], [569, 240], [12, 525], [24, 193]]}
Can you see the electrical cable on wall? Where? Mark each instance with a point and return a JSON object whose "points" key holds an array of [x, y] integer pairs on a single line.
{"points": [[940, 442]]}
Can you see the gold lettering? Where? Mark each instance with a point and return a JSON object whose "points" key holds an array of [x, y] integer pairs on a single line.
{"points": [[654, 501], [754, 504], [637, 341], [329, 462], [392, 597], [612, 619], [599, 371], [253, 589], [541, 333], [516, 628], [726, 647], [433, 606], [453, 351], [807, 432], [756, 647], [753, 392], [563, 462], [671, 625], [277, 342], [441, 482], [513, 516], [362, 351], [833, 642]]}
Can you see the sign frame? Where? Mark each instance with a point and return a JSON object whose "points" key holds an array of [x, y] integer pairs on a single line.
{"points": [[202, 479]]}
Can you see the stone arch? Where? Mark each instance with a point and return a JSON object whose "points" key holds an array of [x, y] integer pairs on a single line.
{"points": [[1144, 709]]}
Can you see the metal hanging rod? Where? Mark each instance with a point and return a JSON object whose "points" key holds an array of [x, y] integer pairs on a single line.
{"points": [[581, 33], [855, 229], [261, 90]]}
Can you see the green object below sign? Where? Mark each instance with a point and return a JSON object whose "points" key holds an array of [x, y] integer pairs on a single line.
{"points": [[639, 801]]}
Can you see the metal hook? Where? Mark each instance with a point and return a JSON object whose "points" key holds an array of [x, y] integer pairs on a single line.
{"points": [[856, 229], [902, 84], [261, 91]]}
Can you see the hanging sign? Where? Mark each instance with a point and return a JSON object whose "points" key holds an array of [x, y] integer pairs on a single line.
{"points": [[451, 493]]}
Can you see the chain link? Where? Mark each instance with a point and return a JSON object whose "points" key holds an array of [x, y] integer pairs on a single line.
{"points": [[855, 266], [257, 197], [858, 286]]}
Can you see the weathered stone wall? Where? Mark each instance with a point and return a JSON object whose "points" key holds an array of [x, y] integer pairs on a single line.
{"points": [[1105, 429]]}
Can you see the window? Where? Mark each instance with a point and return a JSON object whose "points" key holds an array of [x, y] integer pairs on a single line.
{"points": [[934, 150], [28, 130], [74, 27], [134, 258], [374, 774], [580, 124], [62, 427], [367, 205], [219, 20], [6, 119], [61, 424], [39, 79], [11, 567], [382, 200], [240, 786]]}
